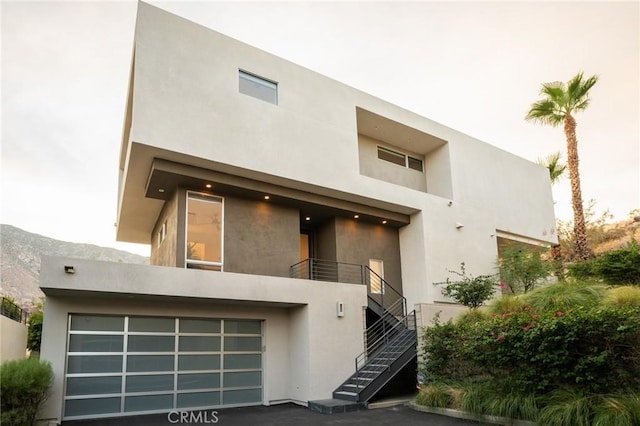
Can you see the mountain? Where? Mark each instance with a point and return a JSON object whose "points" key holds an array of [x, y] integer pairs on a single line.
{"points": [[20, 263]]}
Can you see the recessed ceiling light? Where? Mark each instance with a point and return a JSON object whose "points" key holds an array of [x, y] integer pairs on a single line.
{"points": [[160, 190], [384, 222], [307, 218], [355, 216], [266, 197], [208, 186]]}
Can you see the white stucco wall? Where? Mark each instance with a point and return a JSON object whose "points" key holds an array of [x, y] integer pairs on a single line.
{"points": [[309, 351], [186, 106], [13, 339]]}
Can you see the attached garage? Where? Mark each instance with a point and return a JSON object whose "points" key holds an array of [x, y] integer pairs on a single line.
{"points": [[125, 365]]}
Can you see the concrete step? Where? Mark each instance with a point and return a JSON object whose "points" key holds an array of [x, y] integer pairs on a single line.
{"points": [[335, 406]]}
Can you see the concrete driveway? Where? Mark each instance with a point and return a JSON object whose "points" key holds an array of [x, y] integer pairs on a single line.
{"points": [[282, 415]]}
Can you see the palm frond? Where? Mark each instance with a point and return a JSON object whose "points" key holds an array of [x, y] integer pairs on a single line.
{"points": [[578, 91], [546, 111], [561, 99], [553, 164]]}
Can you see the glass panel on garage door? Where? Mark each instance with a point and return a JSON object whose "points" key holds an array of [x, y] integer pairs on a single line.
{"points": [[122, 365]]}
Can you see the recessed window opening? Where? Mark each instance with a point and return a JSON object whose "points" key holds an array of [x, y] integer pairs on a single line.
{"points": [[258, 87], [204, 232], [399, 158]]}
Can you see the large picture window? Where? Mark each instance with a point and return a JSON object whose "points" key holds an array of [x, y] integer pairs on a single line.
{"points": [[204, 232]]}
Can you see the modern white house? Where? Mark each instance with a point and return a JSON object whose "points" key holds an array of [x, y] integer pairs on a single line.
{"points": [[297, 227]]}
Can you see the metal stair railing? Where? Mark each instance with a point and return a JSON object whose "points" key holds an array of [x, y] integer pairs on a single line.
{"points": [[387, 320], [394, 342], [391, 335], [384, 300]]}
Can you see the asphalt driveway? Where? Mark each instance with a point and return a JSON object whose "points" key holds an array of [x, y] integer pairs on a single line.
{"points": [[281, 415]]}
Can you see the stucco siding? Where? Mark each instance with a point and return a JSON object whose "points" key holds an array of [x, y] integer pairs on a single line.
{"points": [[187, 108], [165, 253], [359, 242], [13, 344], [260, 238], [308, 349]]}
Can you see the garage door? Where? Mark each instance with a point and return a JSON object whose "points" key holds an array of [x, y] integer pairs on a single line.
{"points": [[122, 365]]}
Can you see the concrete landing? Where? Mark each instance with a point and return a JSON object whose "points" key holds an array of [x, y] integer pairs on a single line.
{"points": [[335, 406]]}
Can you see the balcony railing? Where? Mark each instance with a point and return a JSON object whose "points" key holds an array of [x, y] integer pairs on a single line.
{"points": [[328, 270], [13, 311], [378, 290]]}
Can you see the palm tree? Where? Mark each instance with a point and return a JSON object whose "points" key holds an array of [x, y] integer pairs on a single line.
{"points": [[553, 164], [557, 107]]}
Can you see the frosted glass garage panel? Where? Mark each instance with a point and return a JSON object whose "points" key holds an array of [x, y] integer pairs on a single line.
{"points": [[96, 323], [94, 364], [244, 396], [199, 326], [242, 326], [199, 344], [95, 343], [242, 361], [242, 344], [242, 379], [198, 381], [148, 402], [151, 324], [93, 385], [91, 406], [138, 343], [150, 383], [198, 399], [138, 363], [198, 362]]}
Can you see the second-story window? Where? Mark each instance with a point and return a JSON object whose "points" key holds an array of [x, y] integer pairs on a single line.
{"points": [[400, 158], [258, 87], [204, 232]]}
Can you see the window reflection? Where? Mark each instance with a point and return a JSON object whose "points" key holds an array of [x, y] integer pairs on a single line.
{"points": [[204, 230]]}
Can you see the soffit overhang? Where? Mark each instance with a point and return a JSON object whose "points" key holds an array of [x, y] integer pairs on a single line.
{"points": [[149, 169]]}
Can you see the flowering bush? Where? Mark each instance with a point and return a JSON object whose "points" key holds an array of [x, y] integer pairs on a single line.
{"points": [[593, 349]]}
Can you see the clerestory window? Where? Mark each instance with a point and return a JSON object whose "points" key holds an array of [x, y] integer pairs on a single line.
{"points": [[258, 87], [399, 158]]}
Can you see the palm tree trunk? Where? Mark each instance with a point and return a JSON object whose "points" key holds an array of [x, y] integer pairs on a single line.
{"points": [[579, 226]]}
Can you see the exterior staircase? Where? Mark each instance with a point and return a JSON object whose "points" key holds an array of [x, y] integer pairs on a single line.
{"points": [[382, 359], [390, 341]]}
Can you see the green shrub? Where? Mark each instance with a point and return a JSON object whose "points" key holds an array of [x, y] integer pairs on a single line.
{"points": [[24, 387], [620, 266], [523, 267], [591, 349], [469, 291], [34, 336], [617, 267], [583, 270]]}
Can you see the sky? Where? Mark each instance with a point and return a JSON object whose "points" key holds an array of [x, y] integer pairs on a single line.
{"points": [[473, 66]]}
